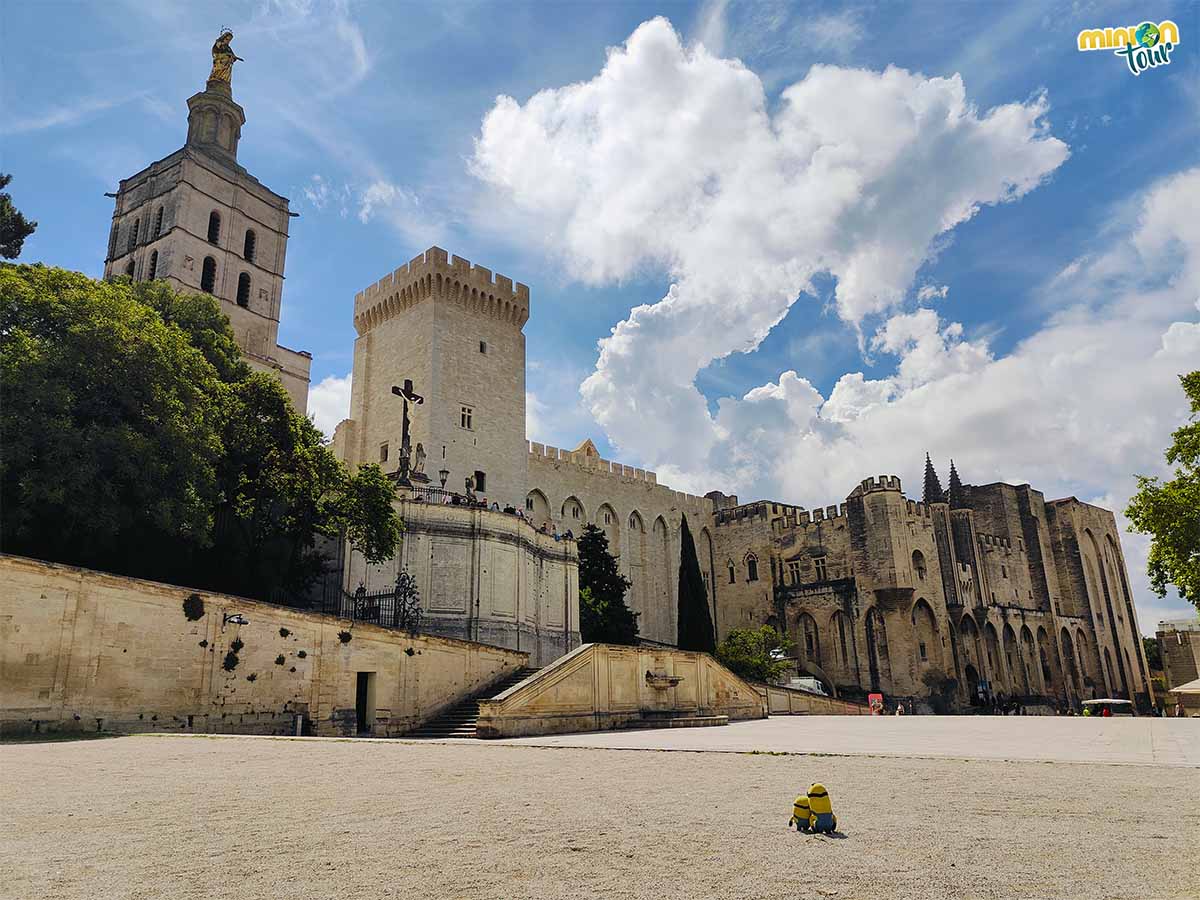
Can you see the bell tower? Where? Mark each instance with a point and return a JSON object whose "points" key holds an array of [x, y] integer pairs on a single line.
{"points": [[198, 220]]}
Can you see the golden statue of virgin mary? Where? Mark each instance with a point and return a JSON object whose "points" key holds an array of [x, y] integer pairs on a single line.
{"points": [[223, 59]]}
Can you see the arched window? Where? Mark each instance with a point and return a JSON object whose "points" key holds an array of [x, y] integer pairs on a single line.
{"points": [[243, 294], [129, 268], [812, 640], [250, 246], [751, 567], [732, 573], [208, 275], [112, 241], [158, 223], [153, 270], [133, 234], [214, 227], [918, 564]]}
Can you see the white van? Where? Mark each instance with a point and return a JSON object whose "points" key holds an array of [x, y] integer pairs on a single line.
{"points": [[812, 685]]}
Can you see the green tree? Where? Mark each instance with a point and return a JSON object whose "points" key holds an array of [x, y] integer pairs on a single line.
{"points": [[695, 621], [603, 615], [14, 227], [941, 689], [1169, 511], [137, 441], [1153, 653], [756, 654]]}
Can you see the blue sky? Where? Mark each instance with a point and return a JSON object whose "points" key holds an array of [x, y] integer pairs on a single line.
{"points": [[1031, 354]]}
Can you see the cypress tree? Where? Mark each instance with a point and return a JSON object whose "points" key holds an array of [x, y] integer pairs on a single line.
{"points": [[695, 622]]}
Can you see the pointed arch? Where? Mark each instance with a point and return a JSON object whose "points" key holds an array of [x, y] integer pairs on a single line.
{"points": [[809, 638], [925, 630], [573, 513], [537, 509], [610, 524], [878, 659]]}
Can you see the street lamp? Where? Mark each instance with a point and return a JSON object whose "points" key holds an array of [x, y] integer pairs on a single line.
{"points": [[443, 474]]}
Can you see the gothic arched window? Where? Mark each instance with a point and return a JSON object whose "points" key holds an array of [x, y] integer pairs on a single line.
{"points": [[157, 223], [153, 270], [751, 567], [129, 268], [214, 227], [243, 294], [250, 245], [133, 233], [208, 275], [112, 241]]}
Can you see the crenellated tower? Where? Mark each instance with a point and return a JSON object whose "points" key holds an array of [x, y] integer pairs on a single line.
{"points": [[455, 330]]}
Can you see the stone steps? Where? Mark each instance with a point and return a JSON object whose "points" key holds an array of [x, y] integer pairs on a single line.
{"points": [[459, 721]]}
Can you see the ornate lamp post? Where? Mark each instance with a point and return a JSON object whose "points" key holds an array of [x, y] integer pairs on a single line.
{"points": [[407, 394], [443, 474]]}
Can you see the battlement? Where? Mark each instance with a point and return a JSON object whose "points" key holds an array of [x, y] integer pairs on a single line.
{"points": [[917, 508], [604, 468], [872, 485], [437, 274], [991, 540]]}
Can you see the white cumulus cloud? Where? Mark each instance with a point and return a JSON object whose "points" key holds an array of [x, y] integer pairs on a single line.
{"points": [[329, 402], [670, 160]]}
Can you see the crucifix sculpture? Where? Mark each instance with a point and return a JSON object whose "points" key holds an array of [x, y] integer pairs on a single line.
{"points": [[407, 394]]}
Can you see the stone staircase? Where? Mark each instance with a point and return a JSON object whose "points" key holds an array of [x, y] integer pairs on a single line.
{"points": [[459, 720]]}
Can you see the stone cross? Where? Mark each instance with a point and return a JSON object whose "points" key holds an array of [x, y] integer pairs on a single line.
{"points": [[407, 394]]}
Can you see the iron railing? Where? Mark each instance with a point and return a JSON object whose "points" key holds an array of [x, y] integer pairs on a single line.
{"points": [[391, 609]]}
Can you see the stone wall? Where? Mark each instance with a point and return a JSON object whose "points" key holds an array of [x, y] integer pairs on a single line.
{"points": [[642, 519], [484, 576], [85, 651], [602, 686], [1179, 643], [783, 701]]}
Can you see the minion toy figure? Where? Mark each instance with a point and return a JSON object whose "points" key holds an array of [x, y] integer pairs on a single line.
{"points": [[822, 820], [801, 814]]}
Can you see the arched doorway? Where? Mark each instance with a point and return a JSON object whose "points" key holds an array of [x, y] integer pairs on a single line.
{"points": [[971, 676]]}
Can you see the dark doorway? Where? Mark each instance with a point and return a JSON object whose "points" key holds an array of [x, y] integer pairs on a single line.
{"points": [[364, 703], [972, 684]]}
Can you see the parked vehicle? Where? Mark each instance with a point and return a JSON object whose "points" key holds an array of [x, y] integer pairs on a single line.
{"points": [[1114, 707]]}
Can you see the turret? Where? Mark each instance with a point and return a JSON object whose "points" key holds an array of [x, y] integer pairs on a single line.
{"points": [[958, 499], [933, 487]]}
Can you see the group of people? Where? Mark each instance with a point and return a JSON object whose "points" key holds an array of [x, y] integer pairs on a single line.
{"points": [[451, 499]]}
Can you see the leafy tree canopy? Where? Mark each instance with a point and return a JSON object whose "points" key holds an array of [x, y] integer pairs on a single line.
{"points": [[137, 441], [603, 615], [1169, 511], [14, 227], [695, 621], [1153, 653], [755, 654]]}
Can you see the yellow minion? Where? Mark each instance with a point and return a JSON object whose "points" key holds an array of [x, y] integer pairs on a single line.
{"points": [[821, 818], [801, 814]]}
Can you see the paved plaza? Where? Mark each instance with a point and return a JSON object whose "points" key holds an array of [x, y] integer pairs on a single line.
{"points": [[1140, 741], [250, 817]]}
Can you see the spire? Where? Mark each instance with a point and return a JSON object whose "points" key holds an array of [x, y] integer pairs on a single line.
{"points": [[933, 487], [957, 500]]}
